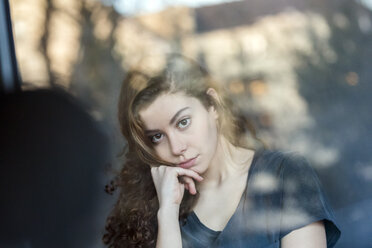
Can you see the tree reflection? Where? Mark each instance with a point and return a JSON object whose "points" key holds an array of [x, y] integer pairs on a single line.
{"points": [[298, 70]]}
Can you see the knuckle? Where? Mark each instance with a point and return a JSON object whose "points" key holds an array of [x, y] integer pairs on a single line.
{"points": [[170, 168]]}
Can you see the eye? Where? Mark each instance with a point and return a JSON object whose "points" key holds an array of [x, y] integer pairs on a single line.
{"points": [[183, 123], [156, 138]]}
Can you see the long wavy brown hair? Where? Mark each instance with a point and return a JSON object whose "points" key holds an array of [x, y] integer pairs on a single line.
{"points": [[133, 220]]}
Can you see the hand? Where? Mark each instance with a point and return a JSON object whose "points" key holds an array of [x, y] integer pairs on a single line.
{"points": [[168, 186]]}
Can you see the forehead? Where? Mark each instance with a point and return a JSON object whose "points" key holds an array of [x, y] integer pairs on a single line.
{"points": [[164, 107]]}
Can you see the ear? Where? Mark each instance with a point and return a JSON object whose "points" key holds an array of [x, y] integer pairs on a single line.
{"points": [[213, 93]]}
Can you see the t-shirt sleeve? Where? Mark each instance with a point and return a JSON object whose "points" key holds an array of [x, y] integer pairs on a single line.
{"points": [[303, 199]]}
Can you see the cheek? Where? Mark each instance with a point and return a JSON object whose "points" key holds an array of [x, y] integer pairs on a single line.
{"points": [[162, 152], [213, 134], [208, 134]]}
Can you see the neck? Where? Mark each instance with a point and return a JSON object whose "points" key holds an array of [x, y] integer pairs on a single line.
{"points": [[229, 161]]}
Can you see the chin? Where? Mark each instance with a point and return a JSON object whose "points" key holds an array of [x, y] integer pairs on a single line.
{"points": [[199, 169], [196, 170]]}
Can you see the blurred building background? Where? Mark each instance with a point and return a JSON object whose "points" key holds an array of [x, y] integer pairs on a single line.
{"points": [[298, 69]]}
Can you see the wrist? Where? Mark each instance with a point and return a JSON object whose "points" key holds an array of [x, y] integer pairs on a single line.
{"points": [[168, 211]]}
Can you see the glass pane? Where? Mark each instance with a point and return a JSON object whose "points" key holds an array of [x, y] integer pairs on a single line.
{"points": [[297, 72]]}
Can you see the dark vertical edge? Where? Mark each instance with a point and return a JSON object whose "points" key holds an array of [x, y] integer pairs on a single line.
{"points": [[10, 80]]}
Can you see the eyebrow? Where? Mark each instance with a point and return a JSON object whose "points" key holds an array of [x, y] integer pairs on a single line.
{"points": [[174, 118], [177, 114]]}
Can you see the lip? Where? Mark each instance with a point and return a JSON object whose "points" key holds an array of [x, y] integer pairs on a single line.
{"points": [[188, 163]]}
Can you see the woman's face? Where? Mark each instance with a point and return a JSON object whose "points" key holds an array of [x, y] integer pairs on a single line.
{"points": [[182, 130]]}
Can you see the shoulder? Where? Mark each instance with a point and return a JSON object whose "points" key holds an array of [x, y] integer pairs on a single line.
{"points": [[285, 183], [286, 161], [279, 162], [293, 181], [282, 170]]}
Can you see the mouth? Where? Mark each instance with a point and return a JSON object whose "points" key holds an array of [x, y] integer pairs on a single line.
{"points": [[188, 163]]}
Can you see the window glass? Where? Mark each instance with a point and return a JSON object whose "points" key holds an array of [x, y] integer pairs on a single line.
{"points": [[298, 71]]}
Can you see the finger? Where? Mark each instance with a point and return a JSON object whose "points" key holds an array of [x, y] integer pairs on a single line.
{"points": [[189, 173], [192, 188], [190, 185], [185, 180]]}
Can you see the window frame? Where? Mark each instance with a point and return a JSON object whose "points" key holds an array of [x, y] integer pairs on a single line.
{"points": [[10, 80]]}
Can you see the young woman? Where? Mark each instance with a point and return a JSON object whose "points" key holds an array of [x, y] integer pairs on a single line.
{"points": [[191, 180]]}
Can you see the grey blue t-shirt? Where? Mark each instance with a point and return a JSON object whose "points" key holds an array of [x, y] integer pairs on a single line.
{"points": [[283, 193]]}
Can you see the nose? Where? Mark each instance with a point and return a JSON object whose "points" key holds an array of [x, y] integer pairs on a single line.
{"points": [[177, 144]]}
